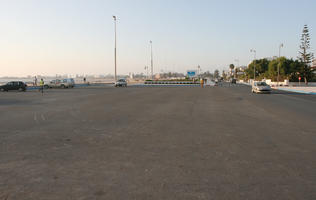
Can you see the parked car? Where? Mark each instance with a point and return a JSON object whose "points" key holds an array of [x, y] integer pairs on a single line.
{"points": [[261, 87], [69, 82], [65, 83], [14, 85], [233, 81], [53, 84], [121, 83]]}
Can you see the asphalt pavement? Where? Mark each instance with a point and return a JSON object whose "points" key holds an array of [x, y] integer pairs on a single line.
{"points": [[157, 143]]}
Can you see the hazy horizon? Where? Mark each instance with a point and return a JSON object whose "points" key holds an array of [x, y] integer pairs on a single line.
{"points": [[77, 36]]}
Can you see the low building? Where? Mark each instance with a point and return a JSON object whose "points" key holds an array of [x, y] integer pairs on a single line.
{"points": [[272, 58], [242, 68]]}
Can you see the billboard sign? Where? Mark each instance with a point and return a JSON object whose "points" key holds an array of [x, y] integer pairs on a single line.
{"points": [[192, 73]]}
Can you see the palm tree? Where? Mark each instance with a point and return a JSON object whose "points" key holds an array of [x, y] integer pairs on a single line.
{"points": [[231, 66]]}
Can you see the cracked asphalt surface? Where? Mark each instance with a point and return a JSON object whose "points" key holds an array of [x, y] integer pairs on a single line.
{"points": [[157, 143]]}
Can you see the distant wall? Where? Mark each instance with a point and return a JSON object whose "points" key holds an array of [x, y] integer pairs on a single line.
{"points": [[283, 83]]}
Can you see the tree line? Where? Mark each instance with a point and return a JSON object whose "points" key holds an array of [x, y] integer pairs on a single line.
{"points": [[290, 69]]}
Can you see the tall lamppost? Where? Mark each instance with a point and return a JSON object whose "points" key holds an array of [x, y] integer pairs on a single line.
{"points": [[281, 45], [254, 64], [151, 60], [115, 77], [146, 70]]}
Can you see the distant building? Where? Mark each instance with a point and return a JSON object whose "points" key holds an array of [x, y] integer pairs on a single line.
{"points": [[131, 75], [242, 68], [271, 58]]}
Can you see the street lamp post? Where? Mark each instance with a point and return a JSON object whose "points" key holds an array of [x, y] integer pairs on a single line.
{"points": [[146, 69], [115, 76], [281, 45], [254, 64], [151, 60]]}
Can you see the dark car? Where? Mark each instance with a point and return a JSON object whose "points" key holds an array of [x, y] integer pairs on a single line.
{"points": [[233, 81], [13, 85]]}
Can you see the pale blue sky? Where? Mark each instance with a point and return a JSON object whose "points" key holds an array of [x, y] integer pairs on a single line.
{"points": [[77, 37]]}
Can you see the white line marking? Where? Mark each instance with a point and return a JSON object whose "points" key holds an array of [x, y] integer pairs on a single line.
{"points": [[35, 118]]}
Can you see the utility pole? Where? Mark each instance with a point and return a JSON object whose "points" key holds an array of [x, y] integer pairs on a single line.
{"points": [[151, 60], [281, 45], [115, 75], [254, 64], [146, 70]]}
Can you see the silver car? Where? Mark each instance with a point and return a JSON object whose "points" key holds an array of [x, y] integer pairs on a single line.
{"points": [[121, 83], [65, 83], [69, 82], [261, 87]]}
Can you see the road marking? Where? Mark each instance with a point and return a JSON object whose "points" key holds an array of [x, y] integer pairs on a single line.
{"points": [[293, 97], [35, 118], [43, 118]]}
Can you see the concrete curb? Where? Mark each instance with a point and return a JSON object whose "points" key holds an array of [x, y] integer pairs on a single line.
{"points": [[30, 88], [296, 91], [164, 85], [170, 83]]}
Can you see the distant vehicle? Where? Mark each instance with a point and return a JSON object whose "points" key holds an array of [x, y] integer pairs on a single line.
{"points": [[121, 83], [233, 81], [65, 83], [14, 85], [69, 82], [261, 87]]}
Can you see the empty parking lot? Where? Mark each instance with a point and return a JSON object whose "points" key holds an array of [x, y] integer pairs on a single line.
{"points": [[157, 143]]}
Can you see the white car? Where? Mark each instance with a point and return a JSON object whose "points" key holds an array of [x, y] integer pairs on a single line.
{"points": [[65, 83], [261, 87], [121, 83]]}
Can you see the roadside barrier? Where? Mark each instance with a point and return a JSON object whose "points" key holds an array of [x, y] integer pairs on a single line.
{"points": [[31, 88], [164, 85], [170, 83]]}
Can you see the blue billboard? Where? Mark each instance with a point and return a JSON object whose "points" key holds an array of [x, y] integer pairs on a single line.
{"points": [[192, 73]]}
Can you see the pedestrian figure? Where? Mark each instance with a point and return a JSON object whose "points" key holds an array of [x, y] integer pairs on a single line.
{"points": [[84, 79], [35, 81], [42, 86], [202, 83]]}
